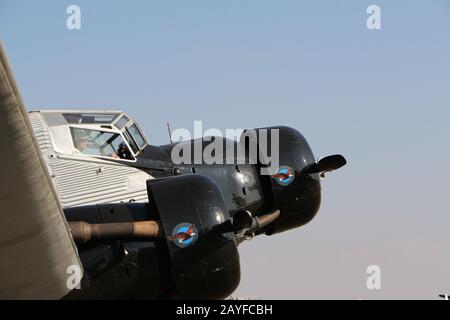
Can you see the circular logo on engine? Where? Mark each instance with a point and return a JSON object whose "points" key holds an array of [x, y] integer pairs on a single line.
{"points": [[184, 234], [284, 176]]}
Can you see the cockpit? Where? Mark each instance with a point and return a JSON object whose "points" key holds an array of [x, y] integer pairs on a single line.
{"points": [[99, 134]]}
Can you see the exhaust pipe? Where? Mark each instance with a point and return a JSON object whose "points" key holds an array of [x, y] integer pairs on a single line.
{"points": [[83, 232]]}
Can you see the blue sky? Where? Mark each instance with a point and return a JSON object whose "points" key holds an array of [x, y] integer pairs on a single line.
{"points": [[381, 98]]}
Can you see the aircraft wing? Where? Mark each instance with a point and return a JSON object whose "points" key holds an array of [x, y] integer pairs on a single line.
{"points": [[36, 247]]}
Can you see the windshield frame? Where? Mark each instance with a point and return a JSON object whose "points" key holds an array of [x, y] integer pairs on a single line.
{"points": [[134, 123], [124, 129]]}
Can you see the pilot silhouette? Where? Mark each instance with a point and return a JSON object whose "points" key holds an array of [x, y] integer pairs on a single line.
{"points": [[123, 152]]}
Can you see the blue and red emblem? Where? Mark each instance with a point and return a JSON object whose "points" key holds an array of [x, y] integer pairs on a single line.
{"points": [[184, 234], [284, 176]]}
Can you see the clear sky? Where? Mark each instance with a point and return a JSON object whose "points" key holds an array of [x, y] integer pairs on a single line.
{"points": [[381, 98]]}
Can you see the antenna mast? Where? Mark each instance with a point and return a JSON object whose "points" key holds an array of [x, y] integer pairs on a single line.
{"points": [[170, 132]]}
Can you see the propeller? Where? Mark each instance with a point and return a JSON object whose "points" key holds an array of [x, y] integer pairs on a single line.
{"points": [[326, 164]]}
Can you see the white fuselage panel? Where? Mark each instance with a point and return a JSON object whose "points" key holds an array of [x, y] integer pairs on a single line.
{"points": [[84, 180]]}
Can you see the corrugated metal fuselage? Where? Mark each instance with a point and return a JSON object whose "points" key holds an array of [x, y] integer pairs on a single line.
{"points": [[82, 180]]}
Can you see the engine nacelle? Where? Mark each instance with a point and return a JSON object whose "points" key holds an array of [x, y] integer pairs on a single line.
{"points": [[201, 244], [291, 189]]}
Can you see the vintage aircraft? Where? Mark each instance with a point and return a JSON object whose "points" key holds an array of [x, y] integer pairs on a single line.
{"points": [[90, 191]]}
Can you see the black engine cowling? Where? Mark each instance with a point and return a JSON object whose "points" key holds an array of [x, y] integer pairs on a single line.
{"points": [[195, 256], [292, 190], [201, 244]]}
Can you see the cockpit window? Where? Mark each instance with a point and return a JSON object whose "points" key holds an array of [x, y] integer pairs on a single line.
{"points": [[131, 142], [100, 143], [122, 122], [136, 135], [89, 118]]}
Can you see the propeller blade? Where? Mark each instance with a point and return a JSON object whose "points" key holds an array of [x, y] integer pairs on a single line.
{"points": [[326, 164], [331, 163]]}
